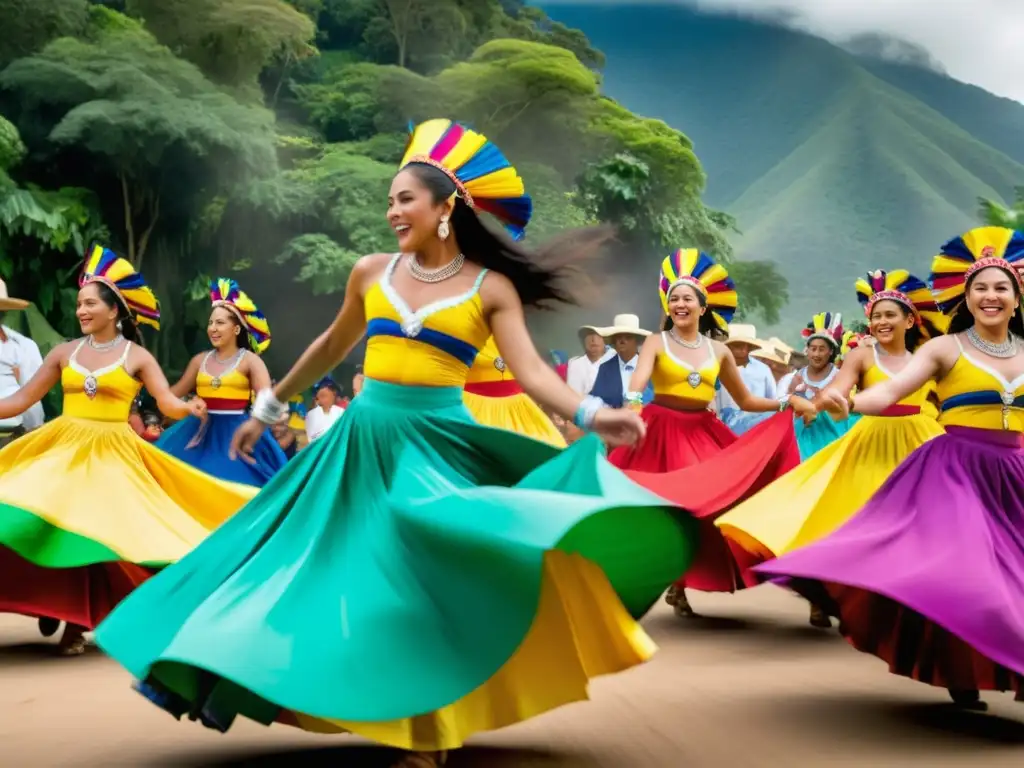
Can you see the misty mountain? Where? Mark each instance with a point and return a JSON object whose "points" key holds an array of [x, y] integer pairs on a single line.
{"points": [[833, 162]]}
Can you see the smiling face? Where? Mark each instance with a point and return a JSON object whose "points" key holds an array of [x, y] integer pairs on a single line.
{"points": [[992, 298], [889, 322], [412, 212], [223, 328], [685, 308], [819, 354], [94, 315]]}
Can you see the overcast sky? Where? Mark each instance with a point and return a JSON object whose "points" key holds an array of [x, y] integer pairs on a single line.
{"points": [[978, 41]]}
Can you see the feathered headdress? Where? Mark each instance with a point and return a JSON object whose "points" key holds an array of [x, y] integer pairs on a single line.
{"points": [[909, 291], [483, 177], [224, 292], [688, 266], [827, 326], [973, 251], [851, 341], [102, 265]]}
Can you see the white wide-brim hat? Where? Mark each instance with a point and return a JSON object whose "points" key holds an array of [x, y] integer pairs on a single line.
{"points": [[621, 325], [8, 303], [769, 354], [744, 334]]}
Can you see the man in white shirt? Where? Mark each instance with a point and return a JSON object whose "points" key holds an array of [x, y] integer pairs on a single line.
{"points": [[613, 375], [322, 416], [581, 371], [756, 375], [20, 359]]}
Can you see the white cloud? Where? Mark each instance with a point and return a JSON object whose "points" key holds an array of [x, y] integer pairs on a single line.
{"points": [[978, 41]]}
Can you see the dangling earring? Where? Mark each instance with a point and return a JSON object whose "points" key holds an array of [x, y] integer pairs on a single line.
{"points": [[119, 325], [442, 229]]}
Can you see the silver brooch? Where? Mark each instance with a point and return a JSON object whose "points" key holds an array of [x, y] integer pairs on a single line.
{"points": [[499, 364], [694, 379], [91, 386]]}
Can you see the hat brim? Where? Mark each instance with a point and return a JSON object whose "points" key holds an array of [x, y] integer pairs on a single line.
{"points": [[618, 330], [749, 342], [768, 357], [9, 304]]}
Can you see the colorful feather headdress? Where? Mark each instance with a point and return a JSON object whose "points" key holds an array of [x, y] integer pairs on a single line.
{"points": [[483, 177], [973, 251], [827, 326], [102, 265], [905, 289], [688, 266], [224, 292], [851, 341]]}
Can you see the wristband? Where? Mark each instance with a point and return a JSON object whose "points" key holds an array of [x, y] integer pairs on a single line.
{"points": [[585, 413], [267, 408], [634, 398], [783, 403]]}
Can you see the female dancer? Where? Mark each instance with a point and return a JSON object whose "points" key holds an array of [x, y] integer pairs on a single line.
{"points": [[87, 508], [929, 574], [224, 378], [494, 398], [689, 456], [364, 569], [829, 488], [824, 335]]}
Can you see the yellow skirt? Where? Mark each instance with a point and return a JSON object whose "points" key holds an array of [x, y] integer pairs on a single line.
{"points": [[515, 413], [820, 495], [75, 487]]}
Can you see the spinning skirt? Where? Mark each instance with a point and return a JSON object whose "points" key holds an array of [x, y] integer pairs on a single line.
{"points": [[88, 510], [828, 489], [929, 575], [821, 432], [692, 459], [413, 577], [496, 404], [210, 454]]}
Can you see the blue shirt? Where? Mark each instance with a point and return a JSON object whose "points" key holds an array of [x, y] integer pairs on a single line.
{"points": [[761, 382]]}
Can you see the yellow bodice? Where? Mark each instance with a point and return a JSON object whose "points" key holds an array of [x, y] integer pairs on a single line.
{"points": [[105, 394], [922, 398], [432, 347], [489, 366], [677, 378], [974, 395], [230, 390]]}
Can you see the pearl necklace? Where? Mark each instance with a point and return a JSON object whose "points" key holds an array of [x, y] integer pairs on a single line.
{"points": [[1005, 349], [104, 345], [440, 274], [683, 342]]}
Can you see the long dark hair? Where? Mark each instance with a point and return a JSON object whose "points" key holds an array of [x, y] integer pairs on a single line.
{"points": [[963, 319], [706, 325], [129, 328], [543, 277]]}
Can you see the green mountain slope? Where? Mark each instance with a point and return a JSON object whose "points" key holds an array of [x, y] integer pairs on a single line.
{"points": [[830, 165]]}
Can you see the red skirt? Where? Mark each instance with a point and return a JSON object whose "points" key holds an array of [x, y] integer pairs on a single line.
{"points": [[693, 460], [82, 596]]}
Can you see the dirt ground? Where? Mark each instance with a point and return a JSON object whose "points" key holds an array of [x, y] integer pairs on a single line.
{"points": [[750, 684]]}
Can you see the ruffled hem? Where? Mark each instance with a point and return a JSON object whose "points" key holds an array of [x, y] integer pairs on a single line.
{"points": [[369, 561]]}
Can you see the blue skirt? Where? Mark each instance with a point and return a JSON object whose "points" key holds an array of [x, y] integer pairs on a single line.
{"points": [[211, 454], [822, 432]]}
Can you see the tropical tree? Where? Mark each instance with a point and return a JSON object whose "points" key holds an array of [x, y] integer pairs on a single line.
{"points": [[995, 214]]}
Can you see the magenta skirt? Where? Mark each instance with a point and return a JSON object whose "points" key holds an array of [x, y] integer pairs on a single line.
{"points": [[929, 575]]}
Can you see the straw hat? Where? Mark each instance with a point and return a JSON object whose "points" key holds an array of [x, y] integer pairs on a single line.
{"points": [[770, 354], [6, 302], [621, 325], [780, 346], [744, 334]]}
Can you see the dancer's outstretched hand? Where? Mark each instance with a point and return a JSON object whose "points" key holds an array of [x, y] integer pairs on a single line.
{"points": [[243, 442], [835, 404], [619, 426], [803, 408]]}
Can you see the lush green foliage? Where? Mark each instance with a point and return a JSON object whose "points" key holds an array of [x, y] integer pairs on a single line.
{"points": [[206, 137], [996, 214]]}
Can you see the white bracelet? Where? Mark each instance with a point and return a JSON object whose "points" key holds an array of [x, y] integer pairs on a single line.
{"points": [[267, 408]]}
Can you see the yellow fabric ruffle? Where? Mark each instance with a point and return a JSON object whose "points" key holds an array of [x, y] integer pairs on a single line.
{"points": [[581, 631], [813, 500], [102, 481], [515, 413]]}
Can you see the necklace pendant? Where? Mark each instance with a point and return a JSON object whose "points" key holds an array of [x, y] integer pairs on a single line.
{"points": [[694, 379], [91, 386], [412, 328], [499, 364]]}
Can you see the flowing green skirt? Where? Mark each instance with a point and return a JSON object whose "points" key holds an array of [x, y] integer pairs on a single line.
{"points": [[405, 572]]}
